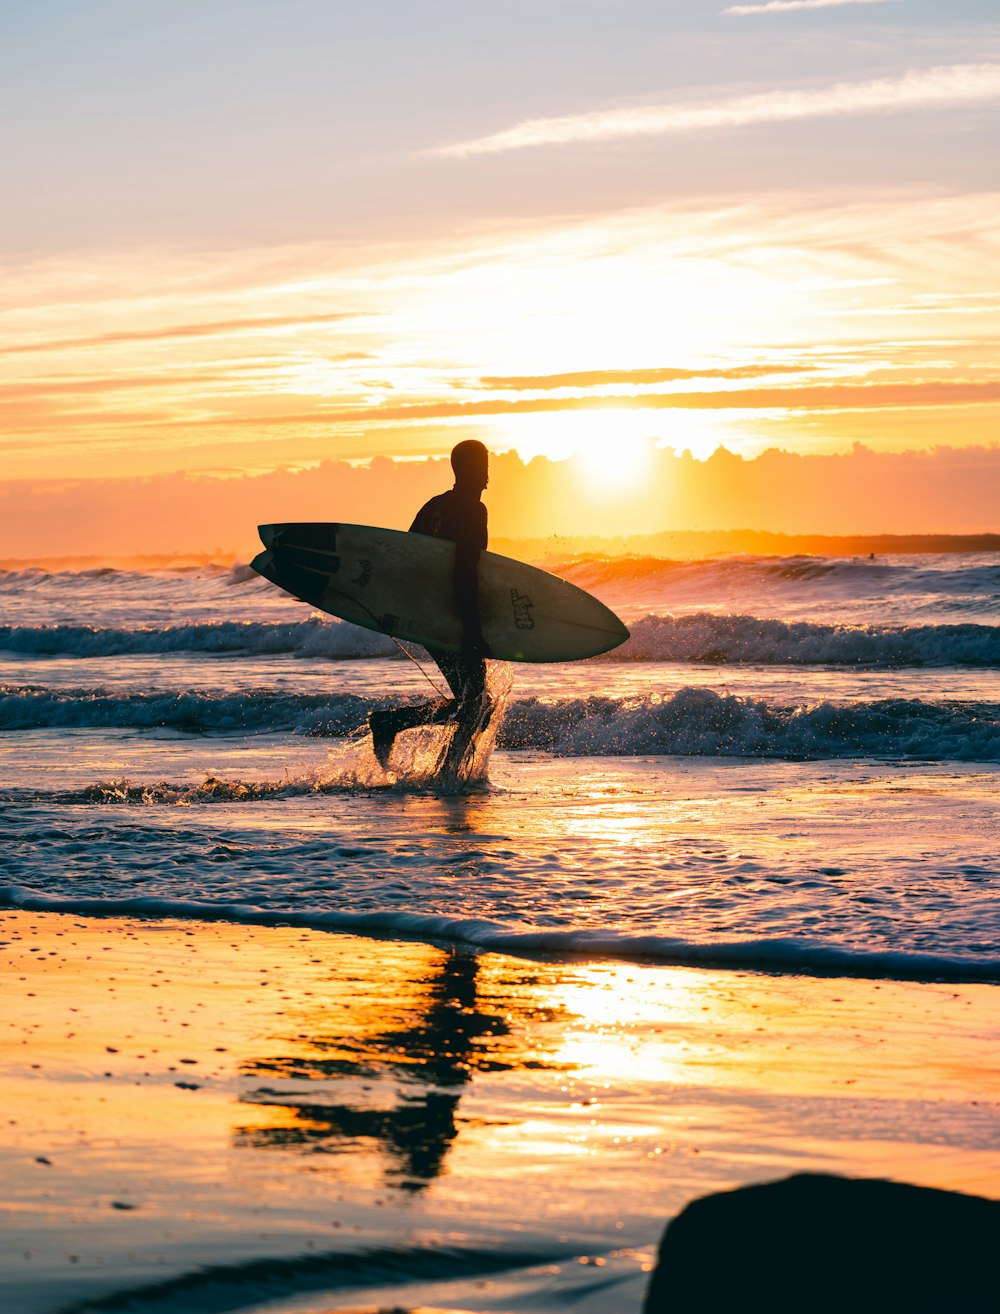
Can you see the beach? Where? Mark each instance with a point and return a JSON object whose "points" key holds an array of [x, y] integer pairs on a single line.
{"points": [[288, 1031], [329, 1122]]}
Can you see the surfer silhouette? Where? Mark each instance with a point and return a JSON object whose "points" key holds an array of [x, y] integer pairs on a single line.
{"points": [[459, 517]]}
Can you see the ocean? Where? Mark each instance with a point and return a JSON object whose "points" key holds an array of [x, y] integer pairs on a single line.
{"points": [[791, 765], [286, 1034]]}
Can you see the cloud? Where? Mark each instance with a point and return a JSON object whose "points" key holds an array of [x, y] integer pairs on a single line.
{"points": [[824, 397], [606, 378], [51, 387], [803, 398], [940, 87], [217, 328], [859, 491], [784, 6]]}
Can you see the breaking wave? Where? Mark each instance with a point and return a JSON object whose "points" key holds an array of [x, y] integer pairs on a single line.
{"points": [[707, 637], [916, 575], [701, 722], [199, 711], [690, 722], [725, 639], [309, 638]]}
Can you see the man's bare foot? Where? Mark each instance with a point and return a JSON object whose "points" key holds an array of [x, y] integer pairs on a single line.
{"points": [[383, 736]]}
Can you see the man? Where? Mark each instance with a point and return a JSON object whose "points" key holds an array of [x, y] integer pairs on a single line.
{"points": [[458, 516]]}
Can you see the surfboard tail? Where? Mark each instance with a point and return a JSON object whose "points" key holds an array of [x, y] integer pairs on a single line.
{"points": [[263, 564]]}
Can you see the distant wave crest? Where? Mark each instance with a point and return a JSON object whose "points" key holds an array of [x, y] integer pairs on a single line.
{"points": [[691, 722], [309, 638], [918, 574], [248, 711], [725, 639], [712, 638], [15, 579]]}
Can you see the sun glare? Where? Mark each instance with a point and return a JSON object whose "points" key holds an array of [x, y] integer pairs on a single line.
{"points": [[611, 450], [613, 467]]}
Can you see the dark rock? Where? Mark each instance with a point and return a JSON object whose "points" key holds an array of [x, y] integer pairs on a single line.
{"points": [[823, 1244]]}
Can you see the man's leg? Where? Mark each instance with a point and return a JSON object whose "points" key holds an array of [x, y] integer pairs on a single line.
{"points": [[386, 725], [467, 680]]}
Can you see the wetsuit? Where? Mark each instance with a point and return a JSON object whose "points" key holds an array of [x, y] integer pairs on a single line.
{"points": [[459, 518]]}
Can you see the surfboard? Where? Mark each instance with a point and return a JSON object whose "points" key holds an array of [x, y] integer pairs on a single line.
{"points": [[400, 583]]}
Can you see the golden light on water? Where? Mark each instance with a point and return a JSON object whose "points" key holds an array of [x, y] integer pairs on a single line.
{"points": [[328, 1089]]}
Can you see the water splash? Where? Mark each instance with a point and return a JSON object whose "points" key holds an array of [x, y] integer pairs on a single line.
{"points": [[420, 755], [419, 762]]}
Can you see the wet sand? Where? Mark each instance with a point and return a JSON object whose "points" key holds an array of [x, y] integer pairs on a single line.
{"points": [[331, 1122]]}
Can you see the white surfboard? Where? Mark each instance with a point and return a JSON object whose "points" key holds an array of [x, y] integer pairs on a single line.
{"points": [[401, 584]]}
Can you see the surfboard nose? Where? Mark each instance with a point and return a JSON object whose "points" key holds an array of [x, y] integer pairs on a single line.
{"points": [[266, 533]]}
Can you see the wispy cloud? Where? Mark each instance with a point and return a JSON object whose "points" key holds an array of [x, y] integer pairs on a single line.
{"points": [[218, 328], [783, 6], [637, 378], [845, 397], [80, 387], [940, 87]]}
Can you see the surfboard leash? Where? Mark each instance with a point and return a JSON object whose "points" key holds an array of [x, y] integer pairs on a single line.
{"points": [[405, 651]]}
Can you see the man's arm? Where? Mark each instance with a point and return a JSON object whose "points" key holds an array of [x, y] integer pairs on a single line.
{"points": [[468, 548]]}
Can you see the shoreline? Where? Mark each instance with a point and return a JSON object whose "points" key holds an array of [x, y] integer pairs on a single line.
{"points": [[776, 958], [212, 1093]]}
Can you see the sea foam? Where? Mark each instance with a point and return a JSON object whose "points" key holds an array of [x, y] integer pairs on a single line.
{"points": [[728, 639], [780, 954], [691, 721], [709, 637], [309, 638]]}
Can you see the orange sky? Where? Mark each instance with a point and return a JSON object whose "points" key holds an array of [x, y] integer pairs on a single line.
{"points": [[790, 244], [751, 327]]}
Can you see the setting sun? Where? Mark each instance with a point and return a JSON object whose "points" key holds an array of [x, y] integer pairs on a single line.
{"points": [[615, 467]]}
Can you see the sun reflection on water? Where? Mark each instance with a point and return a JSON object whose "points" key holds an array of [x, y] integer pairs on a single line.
{"points": [[295, 1083]]}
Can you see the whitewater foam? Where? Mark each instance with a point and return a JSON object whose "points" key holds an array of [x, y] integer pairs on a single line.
{"points": [[670, 807], [721, 639], [692, 721], [705, 637], [309, 638], [778, 954]]}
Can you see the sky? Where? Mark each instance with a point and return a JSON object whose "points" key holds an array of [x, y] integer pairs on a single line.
{"points": [[247, 238]]}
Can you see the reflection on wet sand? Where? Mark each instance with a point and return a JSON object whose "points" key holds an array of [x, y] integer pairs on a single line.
{"points": [[442, 1119], [347, 1082]]}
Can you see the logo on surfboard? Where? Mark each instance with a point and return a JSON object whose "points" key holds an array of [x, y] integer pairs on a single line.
{"points": [[522, 604], [365, 572]]}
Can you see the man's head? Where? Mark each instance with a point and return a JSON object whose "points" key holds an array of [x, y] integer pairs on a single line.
{"points": [[471, 462]]}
